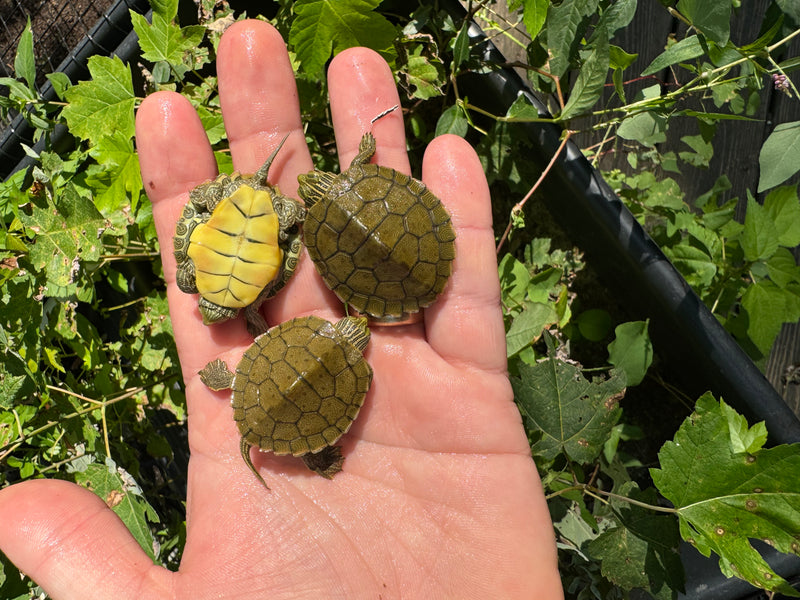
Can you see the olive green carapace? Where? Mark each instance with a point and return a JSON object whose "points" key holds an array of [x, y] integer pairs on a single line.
{"points": [[298, 389], [380, 239], [236, 243]]}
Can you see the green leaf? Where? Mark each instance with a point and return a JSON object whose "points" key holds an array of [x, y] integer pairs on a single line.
{"points": [[24, 61], [725, 498], [615, 17], [534, 13], [693, 263], [570, 414], [642, 552], [631, 350], [324, 26], [594, 324], [648, 128], [104, 105], [564, 23], [591, 79], [760, 238], [119, 182], [528, 325], [461, 46], [710, 17], [703, 151], [452, 120], [744, 438], [67, 234], [782, 268], [686, 49], [164, 41], [424, 75], [783, 207], [121, 494], [779, 158], [60, 83], [167, 9], [768, 308]]}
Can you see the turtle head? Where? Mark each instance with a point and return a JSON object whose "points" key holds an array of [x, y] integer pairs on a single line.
{"points": [[355, 331], [314, 186]]}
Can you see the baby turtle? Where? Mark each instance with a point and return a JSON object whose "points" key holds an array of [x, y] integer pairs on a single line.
{"points": [[236, 244], [380, 239], [298, 389]]}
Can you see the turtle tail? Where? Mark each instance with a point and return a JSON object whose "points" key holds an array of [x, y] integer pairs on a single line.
{"points": [[314, 186]]}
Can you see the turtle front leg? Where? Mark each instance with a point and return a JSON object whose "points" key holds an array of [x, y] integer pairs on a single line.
{"points": [[327, 462]]}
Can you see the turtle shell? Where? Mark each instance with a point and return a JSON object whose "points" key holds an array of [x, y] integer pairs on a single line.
{"points": [[236, 252], [299, 387], [381, 240]]}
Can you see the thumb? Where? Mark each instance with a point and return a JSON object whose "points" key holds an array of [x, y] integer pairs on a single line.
{"points": [[69, 542]]}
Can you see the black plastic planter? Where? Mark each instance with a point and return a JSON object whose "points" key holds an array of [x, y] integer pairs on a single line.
{"points": [[685, 333]]}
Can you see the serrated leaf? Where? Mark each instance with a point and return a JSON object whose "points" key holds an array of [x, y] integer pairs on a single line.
{"points": [[697, 267], [631, 351], [783, 207], [768, 308], [528, 325], [104, 105], [591, 79], [66, 235], [124, 499], [724, 498], [711, 17], [743, 437], [24, 61], [119, 183], [779, 158], [616, 17], [168, 9], [686, 49], [564, 22], [324, 26], [642, 551], [572, 415], [60, 83], [164, 41], [534, 13]]}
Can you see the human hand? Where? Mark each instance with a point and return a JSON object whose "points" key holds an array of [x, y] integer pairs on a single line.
{"points": [[439, 496]]}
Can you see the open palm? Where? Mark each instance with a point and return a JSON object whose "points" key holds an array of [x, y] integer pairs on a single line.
{"points": [[439, 497]]}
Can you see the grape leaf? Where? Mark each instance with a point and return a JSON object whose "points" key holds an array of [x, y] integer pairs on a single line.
{"points": [[573, 415], [779, 158], [118, 177], [642, 552], [424, 74], [325, 26], [167, 9], [163, 40], [67, 234], [104, 105], [631, 350], [124, 497], [724, 498]]}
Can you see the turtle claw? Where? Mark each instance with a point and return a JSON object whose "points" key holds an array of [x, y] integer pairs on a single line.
{"points": [[327, 462]]}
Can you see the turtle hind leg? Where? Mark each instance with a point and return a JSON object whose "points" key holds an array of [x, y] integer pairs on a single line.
{"points": [[327, 462], [365, 150], [245, 449], [256, 324]]}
